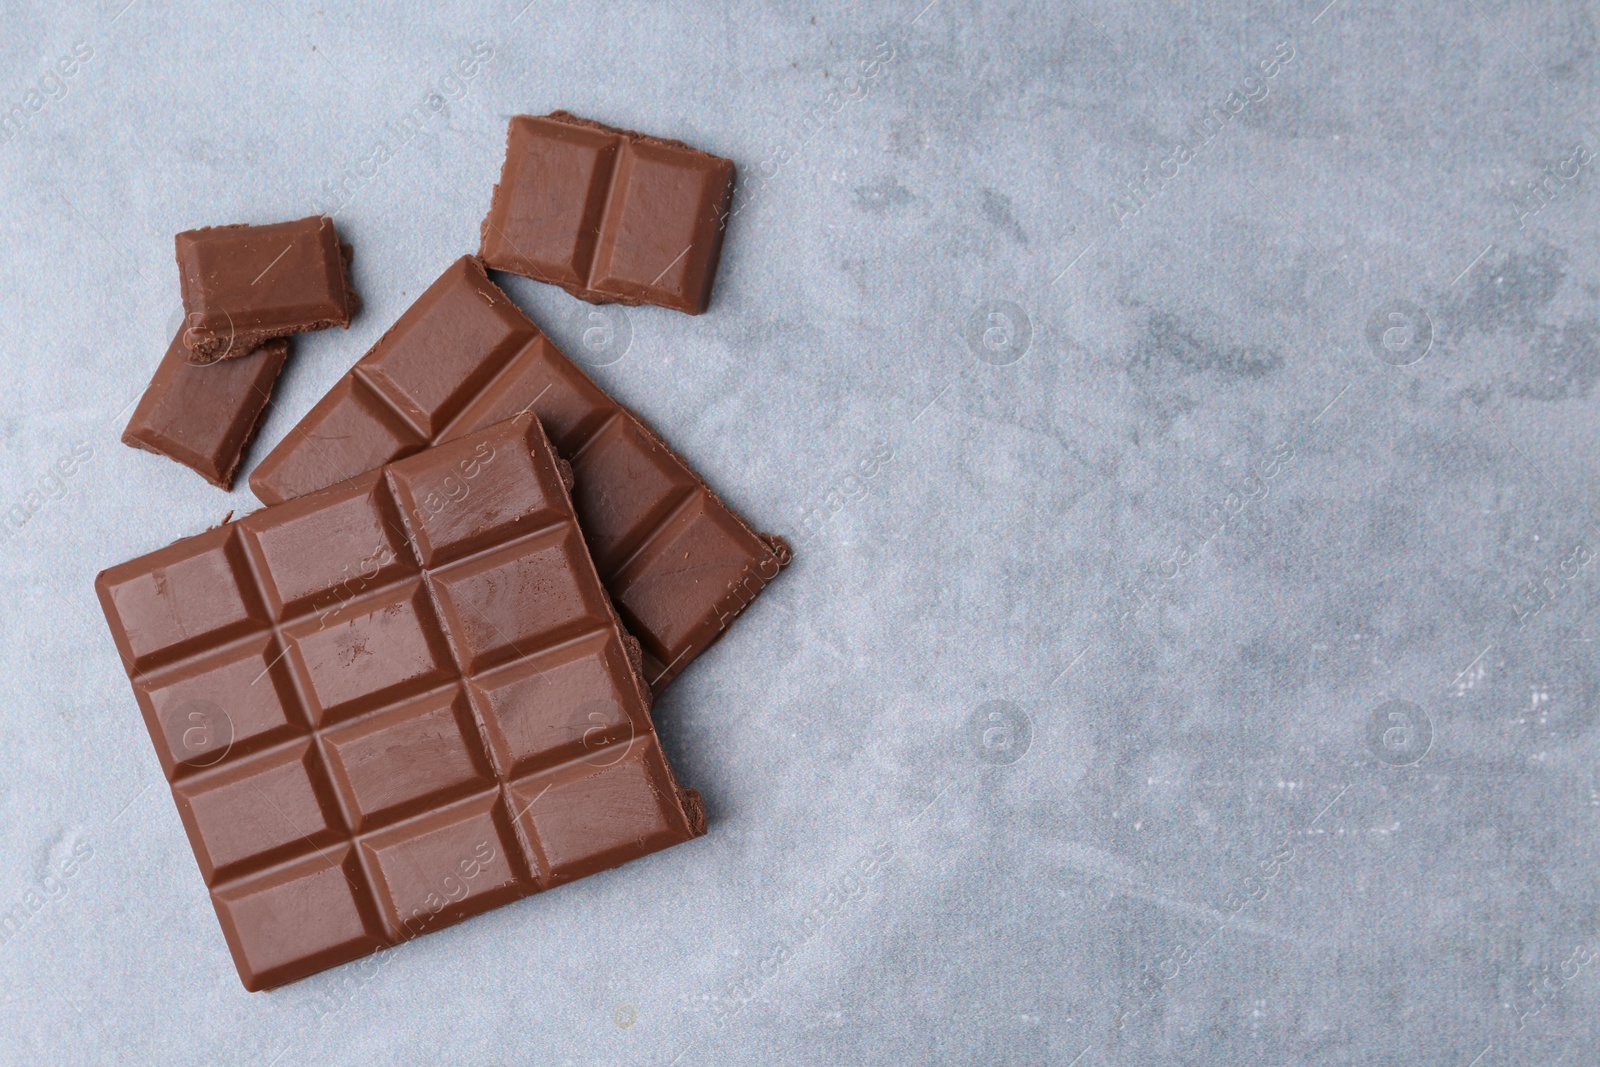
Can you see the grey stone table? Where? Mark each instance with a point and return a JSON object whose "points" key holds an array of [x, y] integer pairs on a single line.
{"points": [[1185, 416]]}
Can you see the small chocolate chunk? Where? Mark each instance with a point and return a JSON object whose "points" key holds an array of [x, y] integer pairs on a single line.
{"points": [[203, 415], [243, 285]]}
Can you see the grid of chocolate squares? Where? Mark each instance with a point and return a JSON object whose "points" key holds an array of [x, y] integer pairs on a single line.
{"points": [[417, 684]]}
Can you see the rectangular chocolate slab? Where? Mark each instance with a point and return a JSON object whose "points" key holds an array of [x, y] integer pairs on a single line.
{"points": [[394, 704], [203, 415], [678, 562], [610, 215], [243, 285]]}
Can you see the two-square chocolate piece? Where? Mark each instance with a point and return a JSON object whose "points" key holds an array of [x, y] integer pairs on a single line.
{"points": [[610, 215]]}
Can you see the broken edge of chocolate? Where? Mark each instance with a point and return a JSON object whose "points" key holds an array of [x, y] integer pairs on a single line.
{"points": [[204, 415], [243, 285]]}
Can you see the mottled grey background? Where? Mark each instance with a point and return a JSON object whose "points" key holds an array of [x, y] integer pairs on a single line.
{"points": [[1189, 656]]}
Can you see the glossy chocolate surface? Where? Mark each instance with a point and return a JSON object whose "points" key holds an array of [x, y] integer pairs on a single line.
{"points": [[203, 415], [394, 704], [243, 285], [610, 215], [678, 562]]}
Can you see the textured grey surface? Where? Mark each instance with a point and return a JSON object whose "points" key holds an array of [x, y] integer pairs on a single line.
{"points": [[1122, 505]]}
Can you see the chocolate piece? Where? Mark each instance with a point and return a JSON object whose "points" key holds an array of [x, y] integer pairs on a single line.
{"points": [[243, 285], [394, 704], [204, 414], [677, 561], [609, 215]]}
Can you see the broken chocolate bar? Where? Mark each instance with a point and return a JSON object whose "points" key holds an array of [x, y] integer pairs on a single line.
{"points": [[678, 562], [610, 215], [394, 704], [243, 285], [203, 415]]}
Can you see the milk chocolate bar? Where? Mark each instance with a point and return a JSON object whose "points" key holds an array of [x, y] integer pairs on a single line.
{"points": [[243, 285], [610, 215], [391, 705], [204, 415], [677, 561]]}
